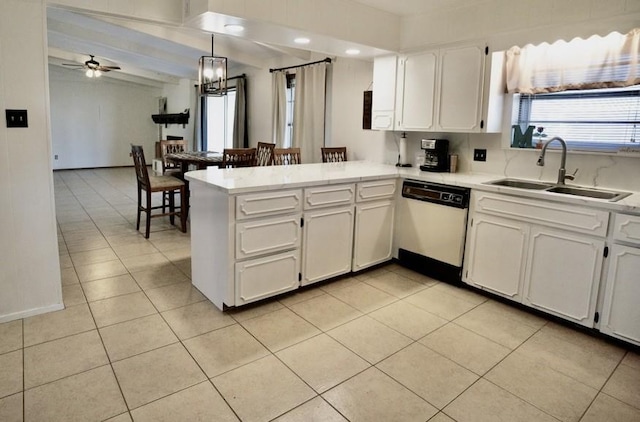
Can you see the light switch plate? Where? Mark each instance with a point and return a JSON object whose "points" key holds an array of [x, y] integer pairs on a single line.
{"points": [[16, 118], [479, 155]]}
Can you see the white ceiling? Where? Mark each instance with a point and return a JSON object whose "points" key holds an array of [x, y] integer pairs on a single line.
{"points": [[414, 7], [153, 53]]}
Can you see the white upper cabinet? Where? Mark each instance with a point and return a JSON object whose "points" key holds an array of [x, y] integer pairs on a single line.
{"points": [[416, 90], [453, 89], [384, 92], [459, 107]]}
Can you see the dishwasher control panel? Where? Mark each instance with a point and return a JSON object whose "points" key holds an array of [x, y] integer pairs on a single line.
{"points": [[453, 196]]}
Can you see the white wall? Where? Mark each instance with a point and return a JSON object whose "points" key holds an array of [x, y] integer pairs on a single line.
{"points": [[94, 121], [504, 23], [348, 79], [29, 265], [180, 97]]}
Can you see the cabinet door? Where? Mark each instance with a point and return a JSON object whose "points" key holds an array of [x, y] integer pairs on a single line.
{"points": [[563, 271], [416, 91], [373, 234], [621, 312], [496, 255], [461, 82], [327, 243], [267, 276], [384, 92]]}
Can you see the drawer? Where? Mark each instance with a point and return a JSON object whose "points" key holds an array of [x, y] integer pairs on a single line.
{"points": [[627, 228], [328, 196], [267, 235], [552, 214], [378, 189], [268, 203], [259, 278]]}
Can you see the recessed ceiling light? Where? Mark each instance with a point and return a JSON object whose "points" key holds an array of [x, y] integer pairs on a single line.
{"points": [[302, 40], [233, 27], [352, 51]]}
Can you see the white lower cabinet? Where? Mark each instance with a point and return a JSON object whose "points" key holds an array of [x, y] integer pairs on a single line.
{"points": [[373, 233], [621, 311], [267, 276], [497, 255], [563, 274], [545, 255], [327, 243]]}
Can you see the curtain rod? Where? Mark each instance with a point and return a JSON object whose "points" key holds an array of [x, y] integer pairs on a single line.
{"points": [[327, 60]]}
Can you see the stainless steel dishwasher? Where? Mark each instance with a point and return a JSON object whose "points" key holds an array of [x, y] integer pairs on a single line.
{"points": [[431, 229]]}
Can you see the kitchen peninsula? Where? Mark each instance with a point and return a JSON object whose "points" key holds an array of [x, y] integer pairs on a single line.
{"points": [[261, 231]]}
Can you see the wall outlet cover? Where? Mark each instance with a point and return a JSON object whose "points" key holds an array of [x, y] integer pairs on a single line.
{"points": [[479, 155]]}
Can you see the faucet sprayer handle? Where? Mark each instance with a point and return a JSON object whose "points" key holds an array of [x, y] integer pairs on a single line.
{"points": [[572, 176]]}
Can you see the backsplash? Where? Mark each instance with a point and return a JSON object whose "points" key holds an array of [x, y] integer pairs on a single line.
{"points": [[605, 171]]}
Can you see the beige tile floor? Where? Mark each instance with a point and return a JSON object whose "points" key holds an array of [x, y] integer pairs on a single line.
{"points": [[137, 342]]}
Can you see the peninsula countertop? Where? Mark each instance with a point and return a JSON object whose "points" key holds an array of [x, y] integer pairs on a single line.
{"points": [[257, 179]]}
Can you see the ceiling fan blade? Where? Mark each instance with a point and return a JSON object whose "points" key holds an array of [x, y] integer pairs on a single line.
{"points": [[108, 68], [73, 65]]}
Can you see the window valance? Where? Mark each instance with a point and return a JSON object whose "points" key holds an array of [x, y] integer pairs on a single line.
{"points": [[596, 62]]}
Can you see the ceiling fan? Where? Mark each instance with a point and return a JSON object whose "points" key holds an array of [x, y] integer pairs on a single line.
{"points": [[93, 67]]}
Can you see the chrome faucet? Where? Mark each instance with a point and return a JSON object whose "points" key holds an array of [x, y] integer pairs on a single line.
{"points": [[563, 161]]}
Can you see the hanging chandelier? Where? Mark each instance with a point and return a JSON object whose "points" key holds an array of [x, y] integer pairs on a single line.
{"points": [[212, 74]]}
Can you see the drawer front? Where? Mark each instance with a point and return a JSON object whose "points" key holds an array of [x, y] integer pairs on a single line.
{"points": [[268, 203], [328, 196], [379, 189], [552, 214], [259, 278], [627, 228], [263, 236]]}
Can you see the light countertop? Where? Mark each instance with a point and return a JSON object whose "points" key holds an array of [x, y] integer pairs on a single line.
{"points": [[256, 179]]}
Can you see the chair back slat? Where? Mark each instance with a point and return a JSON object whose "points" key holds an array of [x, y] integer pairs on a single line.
{"points": [[334, 154], [140, 164], [171, 147], [238, 157], [286, 156], [264, 154]]}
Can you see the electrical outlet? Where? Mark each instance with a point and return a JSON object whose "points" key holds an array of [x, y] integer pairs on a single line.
{"points": [[479, 155], [55, 157]]}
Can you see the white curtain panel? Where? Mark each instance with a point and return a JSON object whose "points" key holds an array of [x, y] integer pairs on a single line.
{"points": [[279, 107], [309, 111], [597, 62]]}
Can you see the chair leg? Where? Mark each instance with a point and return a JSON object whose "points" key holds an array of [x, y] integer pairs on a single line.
{"points": [[139, 207], [148, 211], [184, 208], [172, 207]]}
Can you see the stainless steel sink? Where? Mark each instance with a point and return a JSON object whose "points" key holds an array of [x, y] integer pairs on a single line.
{"points": [[520, 184], [589, 192], [586, 192]]}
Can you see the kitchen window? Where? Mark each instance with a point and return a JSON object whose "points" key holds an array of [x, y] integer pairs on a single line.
{"points": [[601, 120]]}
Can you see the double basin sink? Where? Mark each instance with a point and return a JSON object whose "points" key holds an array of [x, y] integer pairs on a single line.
{"points": [[586, 192]]}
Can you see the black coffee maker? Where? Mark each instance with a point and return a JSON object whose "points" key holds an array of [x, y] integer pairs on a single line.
{"points": [[436, 155]]}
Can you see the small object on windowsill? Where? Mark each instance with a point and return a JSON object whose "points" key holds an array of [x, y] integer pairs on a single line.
{"points": [[403, 165], [539, 135]]}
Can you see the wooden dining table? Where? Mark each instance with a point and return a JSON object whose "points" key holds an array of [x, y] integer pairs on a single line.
{"points": [[198, 159]]}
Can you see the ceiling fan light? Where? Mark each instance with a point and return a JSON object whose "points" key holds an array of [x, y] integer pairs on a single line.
{"points": [[89, 73], [97, 73]]}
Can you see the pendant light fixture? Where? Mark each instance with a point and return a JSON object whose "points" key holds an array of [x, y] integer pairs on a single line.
{"points": [[212, 74]]}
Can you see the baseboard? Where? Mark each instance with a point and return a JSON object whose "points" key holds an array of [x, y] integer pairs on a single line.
{"points": [[31, 312]]}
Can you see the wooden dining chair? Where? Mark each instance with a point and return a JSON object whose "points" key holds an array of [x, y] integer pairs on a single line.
{"points": [[334, 154], [164, 184], [170, 168], [238, 157], [286, 156], [264, 154]]}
